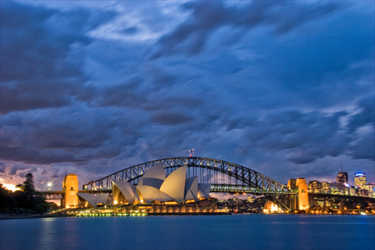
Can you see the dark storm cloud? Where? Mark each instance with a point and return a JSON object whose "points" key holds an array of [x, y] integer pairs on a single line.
{"points": [[168, 118], [281, 87], [35, 94], [124, 95], [362, 149], [283, 16], [366, 114], [79, 135], [306, 136], [36, 71], [16, 168]]}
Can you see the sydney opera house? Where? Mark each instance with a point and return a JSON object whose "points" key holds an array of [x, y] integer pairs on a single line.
{"points": [[154, 188]]}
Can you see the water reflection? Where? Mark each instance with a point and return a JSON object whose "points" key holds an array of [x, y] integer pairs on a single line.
{"points": [[191, 232]]}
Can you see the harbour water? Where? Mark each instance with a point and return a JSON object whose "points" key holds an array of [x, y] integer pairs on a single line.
{"points": [[254, 231]]}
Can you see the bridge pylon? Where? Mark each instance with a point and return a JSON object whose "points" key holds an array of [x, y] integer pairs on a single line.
{"points": [[70, 186], [301, 201]]}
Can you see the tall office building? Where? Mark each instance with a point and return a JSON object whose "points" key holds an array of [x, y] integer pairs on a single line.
{"points": [[370, 187], [360, 179], [342, 177]]}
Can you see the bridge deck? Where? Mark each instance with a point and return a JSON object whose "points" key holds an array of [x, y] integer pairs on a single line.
{"points": [[223, 188]]}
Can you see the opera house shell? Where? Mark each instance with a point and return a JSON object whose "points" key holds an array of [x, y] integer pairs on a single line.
{"points": [[94, 200], [155, 186]]}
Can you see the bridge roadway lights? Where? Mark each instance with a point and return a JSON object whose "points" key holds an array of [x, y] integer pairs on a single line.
{"points": [[248, 190], [110, 214]]}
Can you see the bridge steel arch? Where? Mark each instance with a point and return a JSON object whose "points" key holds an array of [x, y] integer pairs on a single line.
{"points": [[234, 171]]}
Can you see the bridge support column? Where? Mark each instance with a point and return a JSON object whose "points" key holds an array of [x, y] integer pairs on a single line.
{"points": [[341, 210]]}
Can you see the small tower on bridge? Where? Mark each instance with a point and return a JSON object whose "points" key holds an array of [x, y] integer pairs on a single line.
{"points": [[70, 186]]}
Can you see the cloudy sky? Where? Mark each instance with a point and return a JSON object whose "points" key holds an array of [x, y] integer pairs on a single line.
{"points": [[93, 87]]}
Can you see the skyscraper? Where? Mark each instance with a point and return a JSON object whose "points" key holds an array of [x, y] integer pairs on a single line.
{"points": [[360, 179], [342, 177]]}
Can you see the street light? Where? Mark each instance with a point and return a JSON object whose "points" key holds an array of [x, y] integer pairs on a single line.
{"points": [[49, 184]]}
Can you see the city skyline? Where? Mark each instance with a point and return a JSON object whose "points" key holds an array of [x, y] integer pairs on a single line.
{"points": [[284, 88]]}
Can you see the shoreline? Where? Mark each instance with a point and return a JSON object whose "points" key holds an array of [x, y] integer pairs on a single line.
{"points": [[30, 216], [35, 216]]}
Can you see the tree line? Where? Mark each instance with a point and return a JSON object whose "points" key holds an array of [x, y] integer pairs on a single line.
{"points": [[25, 201]]}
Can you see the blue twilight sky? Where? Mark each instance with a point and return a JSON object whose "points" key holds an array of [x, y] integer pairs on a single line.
{"points": [[91, 87]]}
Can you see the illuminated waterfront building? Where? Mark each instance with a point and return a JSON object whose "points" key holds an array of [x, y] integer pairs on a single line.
{"points": [[314, 186], [360, 179], [364, 192], [351, 190], [155, 186], [324, 186], [250, 199], [370, 187], [337, 188]]}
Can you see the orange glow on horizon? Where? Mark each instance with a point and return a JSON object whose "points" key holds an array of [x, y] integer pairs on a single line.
{"points": [[10, 187]]}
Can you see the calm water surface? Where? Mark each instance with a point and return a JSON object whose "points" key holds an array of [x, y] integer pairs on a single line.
{"points": [[191, 232]]}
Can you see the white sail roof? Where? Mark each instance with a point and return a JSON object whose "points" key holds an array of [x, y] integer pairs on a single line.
{"points": [[174, 184], [89, 198], [92, 199], [115, 193], [127, 189], [153, 182], [147, 192], [102, 198], [154, 186], [156, 172], [160, 196], [204, 190], [191, 188]]}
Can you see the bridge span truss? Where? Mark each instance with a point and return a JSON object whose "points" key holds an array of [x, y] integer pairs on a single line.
{"points": [[213, 171]]}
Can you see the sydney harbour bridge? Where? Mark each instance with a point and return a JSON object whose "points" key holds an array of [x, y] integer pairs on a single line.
{"points": [[224, 177]]}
